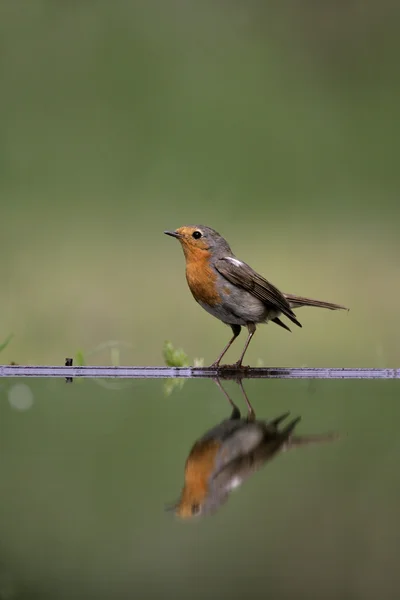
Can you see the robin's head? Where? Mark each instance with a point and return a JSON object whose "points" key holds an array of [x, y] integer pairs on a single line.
{"points": [[199, 469], [188, 506], [192, 498], [199, 238], [192, 505]]}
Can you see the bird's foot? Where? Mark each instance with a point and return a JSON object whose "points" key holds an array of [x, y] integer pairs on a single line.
{"points": [[237, 366]]}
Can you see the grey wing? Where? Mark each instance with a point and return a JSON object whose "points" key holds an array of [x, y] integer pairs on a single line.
{"points": [[242, 275], [240, 443], [243, 464]]}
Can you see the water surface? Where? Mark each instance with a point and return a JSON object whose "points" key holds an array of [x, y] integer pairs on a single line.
{"points": [[86, 470]]}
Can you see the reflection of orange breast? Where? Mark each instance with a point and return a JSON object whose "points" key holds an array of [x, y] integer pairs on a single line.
{"points": [[201, 277], [199, 466]]}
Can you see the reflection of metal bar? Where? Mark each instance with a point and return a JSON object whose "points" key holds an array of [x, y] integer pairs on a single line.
{"points": [[195, 372]]}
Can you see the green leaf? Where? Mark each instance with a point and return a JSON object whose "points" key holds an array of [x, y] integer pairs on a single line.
{"points": [[80, 359], [6, 342], [174, 357], [170, 385]]}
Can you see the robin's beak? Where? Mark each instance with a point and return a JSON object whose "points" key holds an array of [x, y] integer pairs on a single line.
{"points": [[173, 234], [172, 506]]}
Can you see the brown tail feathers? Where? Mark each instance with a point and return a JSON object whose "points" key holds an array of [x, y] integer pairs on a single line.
{"points": [[305, 440], [297, 301]]}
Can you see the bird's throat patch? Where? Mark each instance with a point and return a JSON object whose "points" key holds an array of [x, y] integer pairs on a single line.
{"points": [[199, 468], [202, 278]]}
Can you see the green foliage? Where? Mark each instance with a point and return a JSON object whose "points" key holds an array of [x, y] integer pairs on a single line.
{"points": [[79, 359], [170, 385], [6, 342], [174, 357]]}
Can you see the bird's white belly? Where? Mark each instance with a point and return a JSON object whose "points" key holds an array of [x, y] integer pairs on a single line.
{"points": [[235, 482]]}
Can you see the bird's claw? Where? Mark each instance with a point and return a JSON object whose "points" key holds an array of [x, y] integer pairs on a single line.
{"points": [[234, 367]]}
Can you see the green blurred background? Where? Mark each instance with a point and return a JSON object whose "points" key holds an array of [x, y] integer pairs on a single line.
{"points": [[275, 123]]}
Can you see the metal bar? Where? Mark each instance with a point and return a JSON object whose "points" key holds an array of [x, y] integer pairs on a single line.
{"points": [[195, 372]]}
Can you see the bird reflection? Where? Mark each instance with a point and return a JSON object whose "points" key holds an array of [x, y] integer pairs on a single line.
{"points": [[230, 452]]}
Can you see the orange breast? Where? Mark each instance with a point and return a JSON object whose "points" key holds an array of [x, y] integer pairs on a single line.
{"points": [[199, 466], [201, 277]]}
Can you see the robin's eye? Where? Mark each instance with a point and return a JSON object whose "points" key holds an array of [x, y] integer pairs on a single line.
{"points": [[195, 508], [197, 235]]}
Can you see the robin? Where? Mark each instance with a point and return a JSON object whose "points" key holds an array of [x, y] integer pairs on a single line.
{"points": [[230, 290], [229, 453]]}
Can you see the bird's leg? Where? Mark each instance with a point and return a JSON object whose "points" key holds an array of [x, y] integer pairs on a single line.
{"points": [[236, 330], [252, 329], [235, 411], [251, 415]]}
